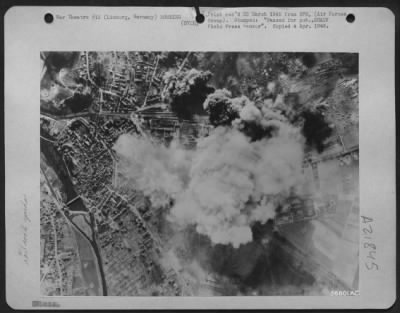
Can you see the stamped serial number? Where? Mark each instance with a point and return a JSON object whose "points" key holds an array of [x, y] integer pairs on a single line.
{"points": [[345, 292]]}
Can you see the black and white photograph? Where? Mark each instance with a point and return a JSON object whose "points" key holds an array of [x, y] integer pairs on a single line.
{"points": [[208, 158], [187, 173]]}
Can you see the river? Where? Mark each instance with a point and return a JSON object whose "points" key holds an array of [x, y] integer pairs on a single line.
{"points": [[92, 267]]}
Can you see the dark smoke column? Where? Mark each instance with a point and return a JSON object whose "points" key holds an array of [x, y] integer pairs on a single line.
{"points": [[219, 108], [187, 91]]}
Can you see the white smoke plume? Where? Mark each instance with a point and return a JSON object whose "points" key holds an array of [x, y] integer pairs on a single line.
{"points": [[159, 172], [234, 182], [227, 183]]}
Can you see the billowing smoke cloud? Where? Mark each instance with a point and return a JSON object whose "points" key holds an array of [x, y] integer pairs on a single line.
{"points": [[229, 182], [186, 91], [159, 172], [235, 182]]}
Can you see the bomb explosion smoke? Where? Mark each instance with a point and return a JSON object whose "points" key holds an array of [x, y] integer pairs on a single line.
{"points": [[234, 182], [229, 182]]}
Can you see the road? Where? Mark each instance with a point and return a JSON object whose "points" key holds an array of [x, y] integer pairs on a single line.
{"points": [[92, 242]]}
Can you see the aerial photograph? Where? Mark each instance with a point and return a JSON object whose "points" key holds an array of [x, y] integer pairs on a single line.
{"points": [[199, 173]]}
